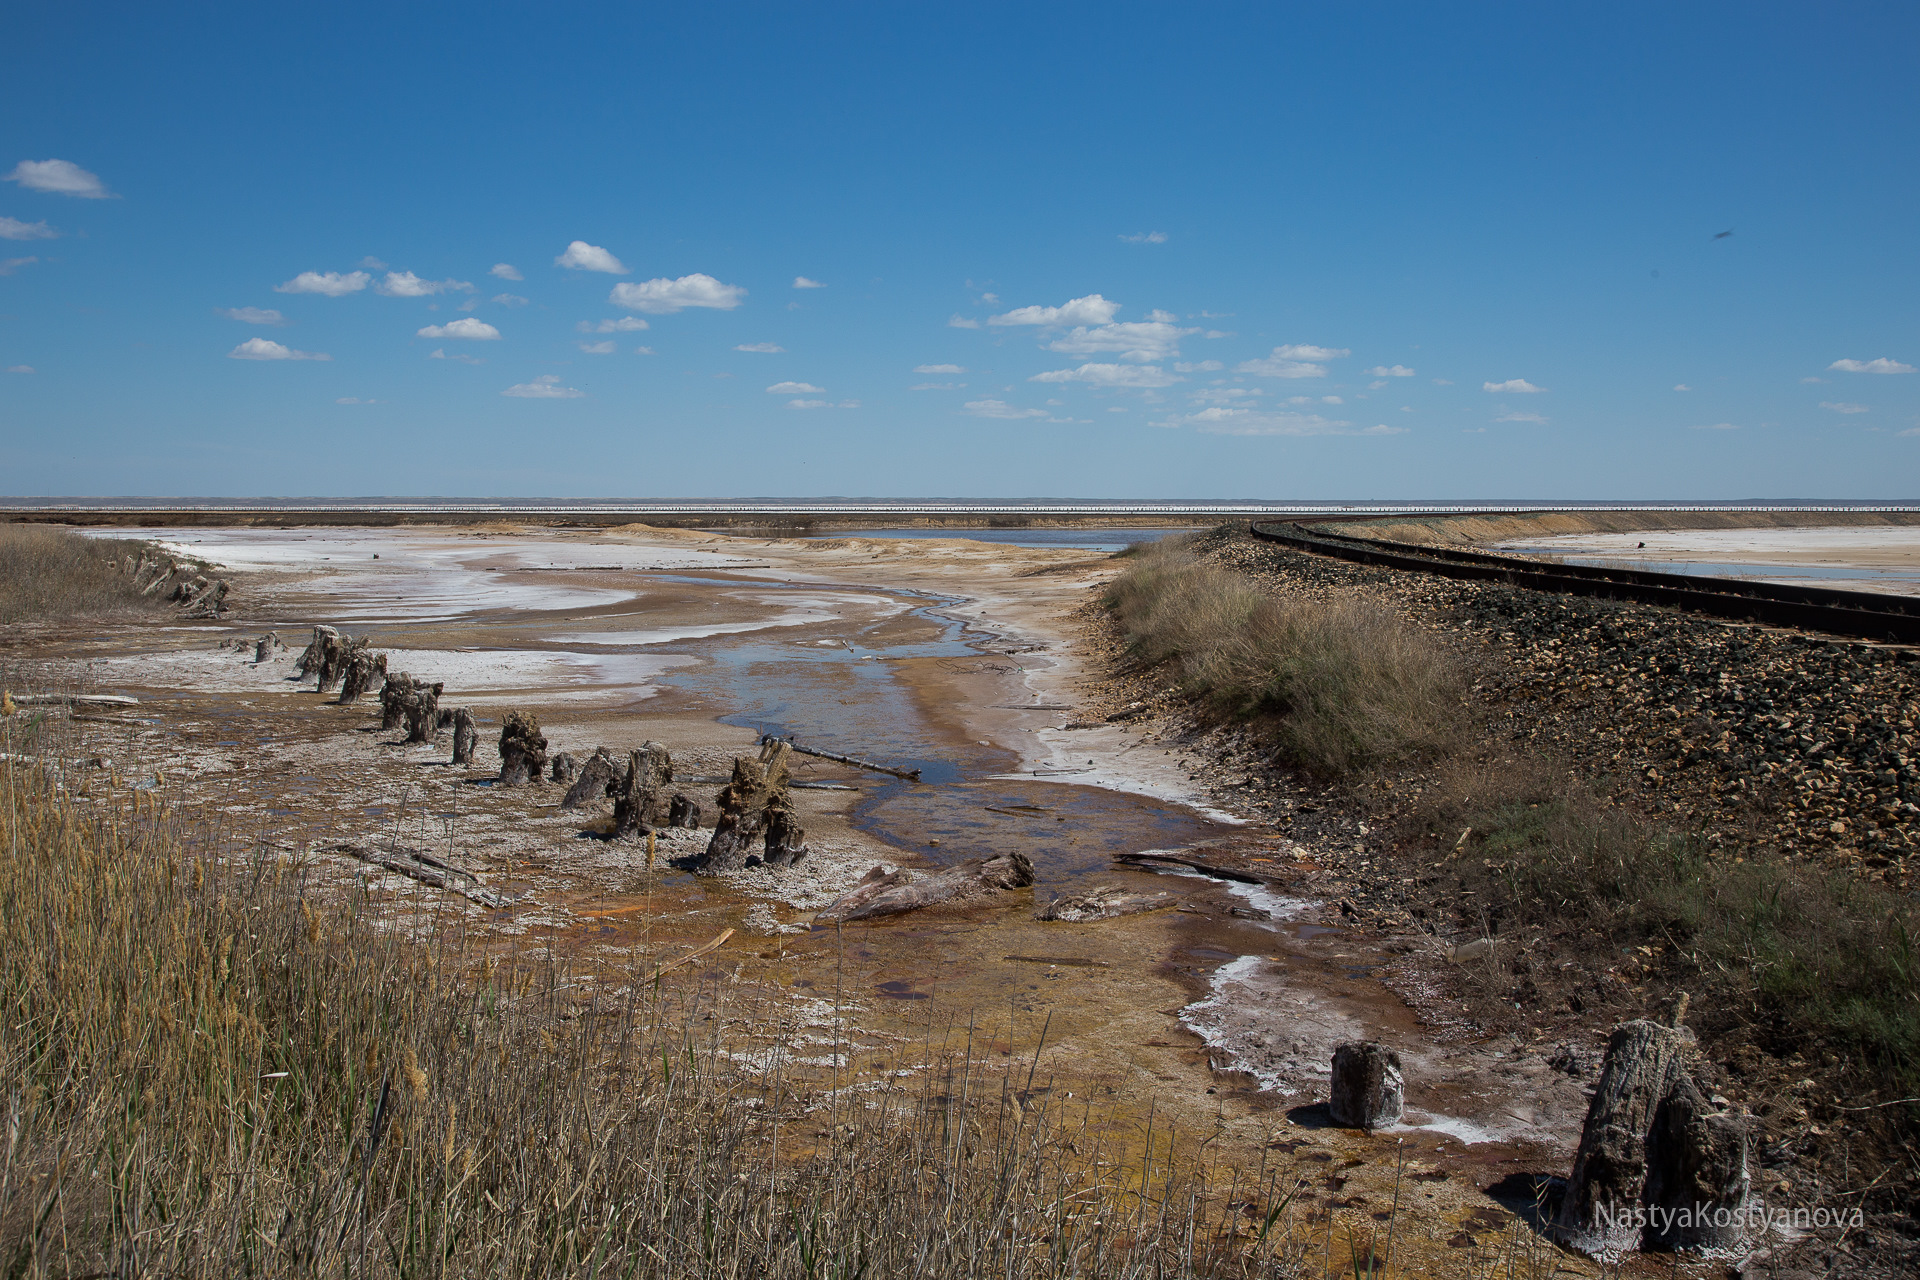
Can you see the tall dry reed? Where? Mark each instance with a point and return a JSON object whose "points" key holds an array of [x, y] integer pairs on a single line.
{"points": [[49, 574], [1343, 681]]}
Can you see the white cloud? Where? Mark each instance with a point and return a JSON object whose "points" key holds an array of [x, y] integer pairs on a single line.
{"points": [[1443, 382], [1296, 360], [60, 178], [1910, 431], [1151, 340], [405, 284], [27, 368], [598, 348], [357, 400], [1111, 375], [545, 387], [1514, 386], [1232, 395], [643, 351], [458, 357], [822, 404], [1841, 406], [794, 388], [764, 348], [371, 263], [938, 368], [999, 409], [1882, 365], [265, 349], [14, 229], [1681, 386], [1718, 426], [468, 328], [1147, 237], [1810, 381], [251, 315], [509, 299], [1389, 371], [619, 324], [1090, 310], [664, 297], [506, 271], [801, 282], [10, 265], [330, 283], [961, 322], [1375, 385], [938, 386], [1522, 417], [1205, 366], [581, 256], [1230, 420]]}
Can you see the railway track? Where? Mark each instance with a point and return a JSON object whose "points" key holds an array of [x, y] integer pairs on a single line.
{"points": [[1863, 614]]}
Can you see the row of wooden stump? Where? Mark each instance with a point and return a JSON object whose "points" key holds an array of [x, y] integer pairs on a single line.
{"points": [[1657, 1167]]}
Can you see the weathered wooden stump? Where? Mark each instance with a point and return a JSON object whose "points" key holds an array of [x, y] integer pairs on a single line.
{"points": [[594, 783], [640, 800], [683, 811], [1656, 1166], [363, 668], [466, 735], [395, 695], [887, 893], [564, 768], [743, 807], [523, 749], [308, 663], [264, 648], [1368, 1088], [786, 839], [423, 712]]}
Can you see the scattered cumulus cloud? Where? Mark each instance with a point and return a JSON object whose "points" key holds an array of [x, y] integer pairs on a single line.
{"points": [[14, 229], [581, 256], [1299, 360], [643, 351], [823, 404], [938, 386], [1841, 406], [1111, 375], [266, 349], [60, 178], [619, 324], [458, 357], [509, 299], [1805, 382], [1513, 386], [801, 282], [405, 284], [1147, 237], [1717, 426], [371, 263], [251, 315], [1443, 382], [1389, 371], [468, 328], [664, 297], [1910, 431], [505, 271], [962, 322], [938, 368], [1231, 420], [1090, 310], [598, 348], [1231, 395], [331, 284], [1681, 386], [1534, 418], [1882, 365], [999, 409], [1138, 341], [1205, 366], [545, 387], [357, 400], [27, 368], [765, 348], [794, 388]]}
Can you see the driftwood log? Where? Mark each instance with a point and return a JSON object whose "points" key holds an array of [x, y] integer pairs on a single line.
{"points": [[743, 807], [1657, 1167], [642, 798], [1104, 902], [424, 867], [594, 782], [465, 735], [1368, 1088], [888, 893], [912, 775], [523, 749]]}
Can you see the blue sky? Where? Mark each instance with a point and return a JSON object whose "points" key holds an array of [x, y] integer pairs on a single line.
{"points": [[1390, 251]]}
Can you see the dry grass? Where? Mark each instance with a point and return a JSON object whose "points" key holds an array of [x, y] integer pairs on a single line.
{"points": [[209, 1072], [50, 574], [1342, 683]]}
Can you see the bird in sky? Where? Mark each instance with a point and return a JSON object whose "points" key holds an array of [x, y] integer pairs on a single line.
{"points": [[1722, 235]]}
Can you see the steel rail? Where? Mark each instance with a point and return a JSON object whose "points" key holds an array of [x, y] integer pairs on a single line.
{"points": [[1866, 615]]}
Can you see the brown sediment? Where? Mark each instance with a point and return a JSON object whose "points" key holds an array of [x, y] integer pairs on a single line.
{"points": [[1481, 529]]}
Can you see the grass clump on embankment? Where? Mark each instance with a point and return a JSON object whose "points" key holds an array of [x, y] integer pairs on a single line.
{"points": [[50, 574], [1340, 683], [213, 1073]]}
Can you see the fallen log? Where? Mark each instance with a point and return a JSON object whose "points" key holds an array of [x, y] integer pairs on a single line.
{"points": [[523, 749], [1146, 861], [425, 868], [1105, 902], [912, 775], [1369, 1090], [886, 893], [73, 700]]}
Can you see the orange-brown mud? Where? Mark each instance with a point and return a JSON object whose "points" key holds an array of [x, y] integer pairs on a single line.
{"points": [[1215, 1019]]}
